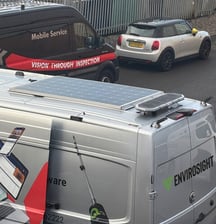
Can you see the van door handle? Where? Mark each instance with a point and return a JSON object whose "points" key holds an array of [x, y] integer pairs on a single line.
{"points": [[54, 205], [192, 197], [200, 218]]}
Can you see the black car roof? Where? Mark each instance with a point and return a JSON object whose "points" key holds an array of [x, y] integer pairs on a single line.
{"points": [[11, 16], [156, 22]]}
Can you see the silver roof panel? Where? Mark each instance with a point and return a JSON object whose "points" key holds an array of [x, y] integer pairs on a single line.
{"points": [[82, 91]]}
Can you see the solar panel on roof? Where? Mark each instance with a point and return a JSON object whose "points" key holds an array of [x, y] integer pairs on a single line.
{"points": [[88, 92]]}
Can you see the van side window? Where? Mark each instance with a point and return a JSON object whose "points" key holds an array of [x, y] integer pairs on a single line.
{"points": [[84, 36]]}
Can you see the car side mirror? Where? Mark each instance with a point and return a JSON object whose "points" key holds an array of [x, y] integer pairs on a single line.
{"points": [[194, 31]]}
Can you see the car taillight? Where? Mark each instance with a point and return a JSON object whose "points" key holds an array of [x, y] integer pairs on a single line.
{"points": [[119, 41], [155, 45]]}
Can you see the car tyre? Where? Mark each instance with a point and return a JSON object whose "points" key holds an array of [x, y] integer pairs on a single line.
{"points": [[106, 75], [166, 61], [205, 49]]}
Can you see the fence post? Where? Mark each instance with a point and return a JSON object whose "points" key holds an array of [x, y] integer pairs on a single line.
{"points": [[194, 3]]}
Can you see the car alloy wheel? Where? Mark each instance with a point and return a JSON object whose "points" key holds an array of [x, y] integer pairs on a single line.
{"points": [[205, 49], [166, 61]]}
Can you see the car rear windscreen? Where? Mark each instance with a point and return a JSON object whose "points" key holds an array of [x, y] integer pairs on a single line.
{"points": [[141, 30]]}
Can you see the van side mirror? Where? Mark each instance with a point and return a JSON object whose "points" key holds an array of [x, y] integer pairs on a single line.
{"points": [[194, 31], [91, 42], [101, 41]]}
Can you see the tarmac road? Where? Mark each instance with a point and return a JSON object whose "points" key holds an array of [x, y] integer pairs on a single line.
{"points": [[194, 78]]}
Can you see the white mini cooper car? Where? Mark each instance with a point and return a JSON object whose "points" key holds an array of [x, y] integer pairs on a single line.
{"points": [[162, 42]]}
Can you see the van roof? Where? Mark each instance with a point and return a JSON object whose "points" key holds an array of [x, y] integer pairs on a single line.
{"points": [[30, 12], [77, 98]]}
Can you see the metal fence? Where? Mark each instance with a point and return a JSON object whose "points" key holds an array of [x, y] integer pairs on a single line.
{"points": [[113, 16]]}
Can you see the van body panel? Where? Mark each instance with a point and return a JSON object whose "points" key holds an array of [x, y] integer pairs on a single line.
{"points": [[144, 179], [105, 151], [81, 157], [23, 176]]}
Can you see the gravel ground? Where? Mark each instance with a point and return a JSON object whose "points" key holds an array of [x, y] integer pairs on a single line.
{"points": [[207, 23], [202, 23]]}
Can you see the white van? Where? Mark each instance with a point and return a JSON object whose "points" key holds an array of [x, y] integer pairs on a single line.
{"points": [[81, 151]]}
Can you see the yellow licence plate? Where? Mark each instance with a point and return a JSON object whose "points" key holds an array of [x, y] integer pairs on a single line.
{"points": [[136, 44]]}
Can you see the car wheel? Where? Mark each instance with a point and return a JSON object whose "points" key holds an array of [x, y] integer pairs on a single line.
{"points": [[106, 75], [205, 49], [166, 61]]}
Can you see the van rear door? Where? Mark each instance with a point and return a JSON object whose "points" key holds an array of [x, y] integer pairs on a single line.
{"points": [[185, 171], [203, 166], [172, 189]]}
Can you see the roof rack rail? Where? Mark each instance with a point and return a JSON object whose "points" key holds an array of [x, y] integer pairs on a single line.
{"points": [[160, 102]]}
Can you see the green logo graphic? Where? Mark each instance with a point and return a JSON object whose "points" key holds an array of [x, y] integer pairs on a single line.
{"points": [[95, 213], [167, 183]]}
